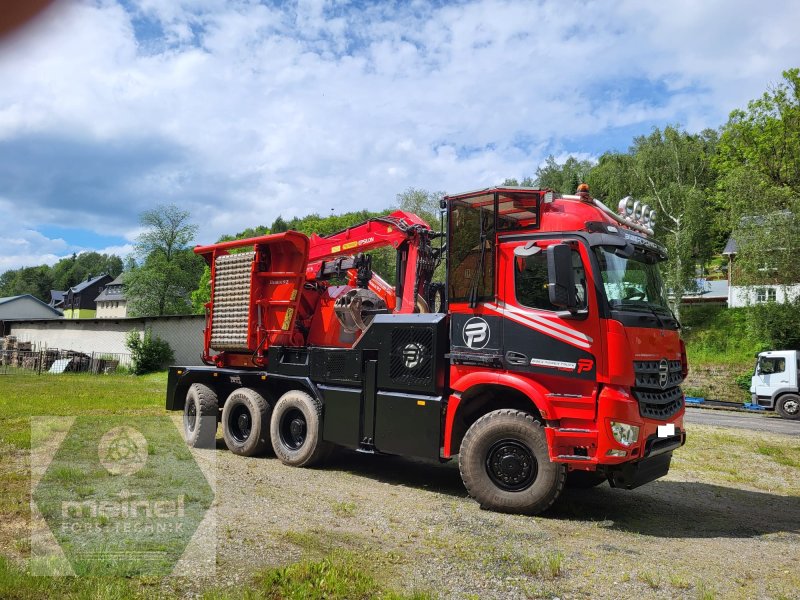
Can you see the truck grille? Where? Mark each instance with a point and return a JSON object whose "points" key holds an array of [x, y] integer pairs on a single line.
{"points": [[658, 398], [659, 405], [648, 374]]}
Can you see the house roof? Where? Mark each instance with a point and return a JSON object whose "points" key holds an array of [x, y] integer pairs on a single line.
{"points": [[76, 289], [9, 299], [758, 220], [112, 291], [56, 296], [707, 290], [731, 247]]}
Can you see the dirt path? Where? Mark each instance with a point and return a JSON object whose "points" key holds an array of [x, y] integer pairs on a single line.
{"points": [[692, 533]]}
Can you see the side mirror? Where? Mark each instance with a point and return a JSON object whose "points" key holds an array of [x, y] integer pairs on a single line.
{"points": [[561, 277]]}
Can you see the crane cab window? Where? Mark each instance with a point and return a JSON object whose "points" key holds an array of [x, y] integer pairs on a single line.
{"points": [[471, 247], [531, 281]]}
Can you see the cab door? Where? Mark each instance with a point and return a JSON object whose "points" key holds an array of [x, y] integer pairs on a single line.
{"points": [[558, 349], [771, 374]]}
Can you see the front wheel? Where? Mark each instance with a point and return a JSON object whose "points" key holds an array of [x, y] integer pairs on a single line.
{"points": [[505, 464], [788, 406]]}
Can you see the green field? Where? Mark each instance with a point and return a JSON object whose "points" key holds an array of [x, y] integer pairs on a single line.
{"points": [[336, 575], [367, 526]]}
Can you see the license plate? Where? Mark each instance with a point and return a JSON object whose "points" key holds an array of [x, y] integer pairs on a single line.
{"points": [[666, 430]]}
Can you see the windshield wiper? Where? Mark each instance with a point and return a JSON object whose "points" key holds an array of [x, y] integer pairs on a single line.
{"points": [[646, 307], [473, 292]]}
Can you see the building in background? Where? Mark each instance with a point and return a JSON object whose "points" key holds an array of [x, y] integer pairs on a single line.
{"points": [[774, 288], [111, 303], [79, 300], [26, 307]]}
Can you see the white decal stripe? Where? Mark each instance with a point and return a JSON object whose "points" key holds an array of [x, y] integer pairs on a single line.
{"points": [[544, 321], [541, 329], [540, 324]]}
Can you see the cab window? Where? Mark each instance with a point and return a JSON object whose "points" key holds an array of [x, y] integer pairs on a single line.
{"points": [[770, 366], [531, 281]]}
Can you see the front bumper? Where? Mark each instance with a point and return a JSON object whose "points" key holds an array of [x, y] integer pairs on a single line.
{"points": [[586, 445]]}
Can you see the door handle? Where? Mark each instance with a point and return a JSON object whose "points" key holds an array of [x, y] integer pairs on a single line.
{"points": [[516, 358]]}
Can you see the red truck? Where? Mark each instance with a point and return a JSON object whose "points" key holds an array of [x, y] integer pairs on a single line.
{"points": [[548, 356]]}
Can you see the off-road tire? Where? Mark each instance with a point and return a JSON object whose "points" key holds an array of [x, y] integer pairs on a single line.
{"points": [[788, 406], [296, 430], [584, 480], [200, 416], [510, 437], [245, 422]]}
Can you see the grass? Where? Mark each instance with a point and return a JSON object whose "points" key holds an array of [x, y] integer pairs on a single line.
{"points": [[716, 335], [339, 560], [548, 565], [713, 455], [650, 579], [344, 509], [783, 455]]}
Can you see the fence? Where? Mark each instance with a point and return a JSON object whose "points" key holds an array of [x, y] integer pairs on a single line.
{"points": [[25, 357], [53, 360], [106, 337]]}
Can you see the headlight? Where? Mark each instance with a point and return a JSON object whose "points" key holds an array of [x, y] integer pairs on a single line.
{"points": [[624, 434]]}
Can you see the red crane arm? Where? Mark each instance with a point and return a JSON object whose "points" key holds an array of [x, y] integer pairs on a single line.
{"points": [[377, 232]]}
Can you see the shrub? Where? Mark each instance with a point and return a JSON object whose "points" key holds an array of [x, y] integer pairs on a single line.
{"points": [[744, 380], [775, 325], [148, 353]]}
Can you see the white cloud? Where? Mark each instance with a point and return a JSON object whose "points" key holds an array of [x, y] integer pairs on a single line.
{"points": [[240, 111]]}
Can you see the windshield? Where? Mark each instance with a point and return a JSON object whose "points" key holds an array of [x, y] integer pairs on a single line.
{"points": [[631, 283]]}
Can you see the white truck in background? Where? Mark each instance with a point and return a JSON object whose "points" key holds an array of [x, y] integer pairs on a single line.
{"points": [[774, 384]]}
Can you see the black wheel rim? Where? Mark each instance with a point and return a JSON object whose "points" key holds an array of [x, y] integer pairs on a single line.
{"points": [[240, 423], [191, 416], [511, 465], [293, 429]]}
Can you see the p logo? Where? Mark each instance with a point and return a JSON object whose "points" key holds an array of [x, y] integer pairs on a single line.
{"points": [[476, 333]]}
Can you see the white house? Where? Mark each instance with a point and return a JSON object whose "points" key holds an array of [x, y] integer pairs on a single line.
{"points": [[746, 295]]}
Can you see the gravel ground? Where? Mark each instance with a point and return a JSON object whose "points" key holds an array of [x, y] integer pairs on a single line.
{"points": [[705, 531]]}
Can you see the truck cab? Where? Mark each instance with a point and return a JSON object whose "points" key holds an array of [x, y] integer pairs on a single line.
{"points": [[774, 383]]}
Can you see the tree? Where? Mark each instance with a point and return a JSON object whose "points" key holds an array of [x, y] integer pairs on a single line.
{"points": [[563, 178], [513, 182], [669, 170], [67, 272], [279, 225], [758, 194], [169, 271], [422, 203]]}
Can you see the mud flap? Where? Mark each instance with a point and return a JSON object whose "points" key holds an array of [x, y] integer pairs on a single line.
{"points": [[632, 475]]}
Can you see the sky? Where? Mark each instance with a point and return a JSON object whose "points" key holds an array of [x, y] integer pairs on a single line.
{"points": [[242, 111]]}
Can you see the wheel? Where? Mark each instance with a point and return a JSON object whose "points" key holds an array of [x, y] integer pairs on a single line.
{"points": [[200, 414], [296, 430], [788, 406], [505, 464], [245, 422], [583, 480]]}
